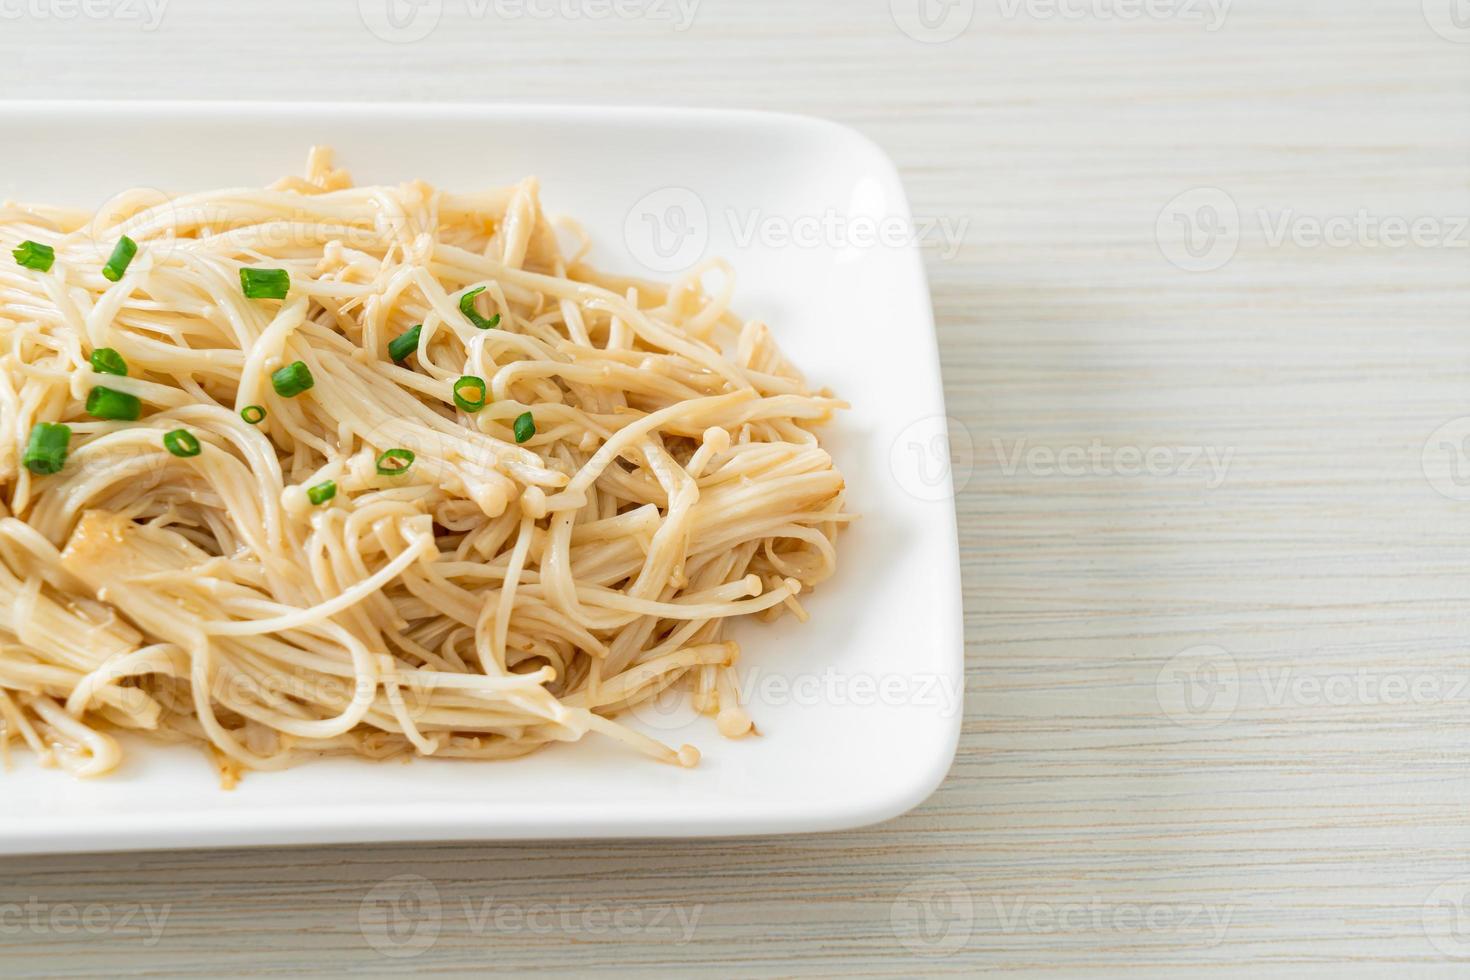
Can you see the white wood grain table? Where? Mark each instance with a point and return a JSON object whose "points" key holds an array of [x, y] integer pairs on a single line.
{"points": [[1207, 318]]}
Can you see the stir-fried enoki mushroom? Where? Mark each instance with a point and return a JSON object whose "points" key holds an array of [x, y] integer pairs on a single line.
{"points": [[416, 482]]}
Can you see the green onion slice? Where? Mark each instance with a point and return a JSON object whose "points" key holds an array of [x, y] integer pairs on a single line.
{"points": [[525, 427], [394, 462], [265, 283], [469, 393], [322, 492], [34, 255], [253, 414], [46, 450], [114, 405], [467, 307], [122, 257], [404, 344], [292, 379], [105, 360], [181, 442]]}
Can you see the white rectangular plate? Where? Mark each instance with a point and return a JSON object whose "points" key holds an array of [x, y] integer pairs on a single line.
{"points": [[859, 709]]}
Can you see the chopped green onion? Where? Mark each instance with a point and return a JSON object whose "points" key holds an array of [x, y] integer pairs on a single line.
{"points": [[525, 427], [117, 406], [473, 384], [394, 462], [181, 442], [292, 379], [322, 492], [122, 256], [404, 344], [34, 255], [265, 283], [467, 307], [46, 449], [253, 414], [105, 360]]}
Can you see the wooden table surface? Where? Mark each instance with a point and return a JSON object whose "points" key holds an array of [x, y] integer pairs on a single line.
{"points": [[1205, 342]]}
